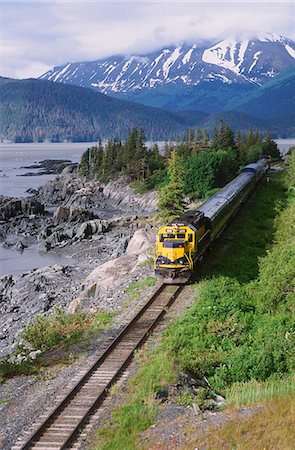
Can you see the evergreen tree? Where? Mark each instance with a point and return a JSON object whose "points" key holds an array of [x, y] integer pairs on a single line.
{"points": [[226, 137], [270, 147], [215, 139], [170, 202], [196, 141], [205, 140], [188, 138]]}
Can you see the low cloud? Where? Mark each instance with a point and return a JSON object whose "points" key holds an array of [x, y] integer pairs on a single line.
{"points": [[40, 35]]}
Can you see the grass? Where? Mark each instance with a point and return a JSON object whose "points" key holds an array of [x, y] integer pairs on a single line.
{"points": [[271, 428], [252, 392], [133, 291], [59, 330], [139, 411], [248, 237]]}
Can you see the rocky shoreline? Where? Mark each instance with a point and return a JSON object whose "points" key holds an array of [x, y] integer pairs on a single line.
{"points": [[107, 232]]}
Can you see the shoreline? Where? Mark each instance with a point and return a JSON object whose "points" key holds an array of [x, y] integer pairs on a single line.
{"points": [[90, 223]]}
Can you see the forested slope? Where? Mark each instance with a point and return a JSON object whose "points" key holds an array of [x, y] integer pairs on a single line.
{"points": [[38, 110]]}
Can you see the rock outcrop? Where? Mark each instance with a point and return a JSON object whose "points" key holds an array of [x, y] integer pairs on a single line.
{"points": [[13, 207], [108, 277]]}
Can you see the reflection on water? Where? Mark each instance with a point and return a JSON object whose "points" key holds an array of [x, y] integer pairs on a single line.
{"points": [[15, 263]]}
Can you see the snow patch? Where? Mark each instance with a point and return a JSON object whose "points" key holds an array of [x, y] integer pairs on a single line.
{"points": [[255, 57], [170, 61], [271, 37], [61, 72], [290, 50], [218, 55], [188, 55]]}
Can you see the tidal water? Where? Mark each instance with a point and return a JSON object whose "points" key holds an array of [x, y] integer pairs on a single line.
{"points": [[14, 156]]}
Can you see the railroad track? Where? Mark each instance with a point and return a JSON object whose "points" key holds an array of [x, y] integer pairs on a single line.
{"points": [[59, 429]]}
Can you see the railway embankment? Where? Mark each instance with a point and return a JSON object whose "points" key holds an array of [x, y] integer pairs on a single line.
{"points": [[239, 335]]}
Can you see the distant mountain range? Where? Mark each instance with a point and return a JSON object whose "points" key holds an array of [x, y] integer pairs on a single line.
{"points": [[200, 77], [248, 62], [247, 84]]}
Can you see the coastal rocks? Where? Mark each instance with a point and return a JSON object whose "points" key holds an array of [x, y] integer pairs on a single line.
{"points": [[20, 246], [59, 190], [124, 196], [110, 276], [12, 207], [51, 166], [106, 277], [65, 213], [38, 291], [81, 193], [52, 237], [90, 228]]}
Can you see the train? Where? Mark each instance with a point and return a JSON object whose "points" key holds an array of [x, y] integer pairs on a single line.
{"points": [[182, 243]]}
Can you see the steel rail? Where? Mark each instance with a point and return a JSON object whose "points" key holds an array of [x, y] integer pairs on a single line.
{"points": [[61, 406]]}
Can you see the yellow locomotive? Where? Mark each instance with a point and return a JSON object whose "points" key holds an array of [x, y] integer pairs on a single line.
{"points": [[181, 243]]}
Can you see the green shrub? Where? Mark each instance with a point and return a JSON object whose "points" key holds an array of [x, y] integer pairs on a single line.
{"points": [[60, 328], [208, 170]]}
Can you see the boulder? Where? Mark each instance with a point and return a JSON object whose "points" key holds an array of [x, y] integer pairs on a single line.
{"points": [[124, 196], [140, 242], [104, 277], [88, 229], [66, 213], [20, 246]]}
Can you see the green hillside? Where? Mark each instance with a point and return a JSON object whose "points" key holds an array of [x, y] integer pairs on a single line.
{"points": [[208, 97], [276, 98], [37, 110]]}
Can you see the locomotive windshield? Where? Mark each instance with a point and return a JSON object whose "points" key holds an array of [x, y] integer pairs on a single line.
{"points": [[165, 236], [173, 244]]}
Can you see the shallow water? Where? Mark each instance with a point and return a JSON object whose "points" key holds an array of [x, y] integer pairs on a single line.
{"points": [[15, 262], [14, 156]]}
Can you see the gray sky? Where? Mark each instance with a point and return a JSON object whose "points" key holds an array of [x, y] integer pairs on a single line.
{"points": [[37, 35]]}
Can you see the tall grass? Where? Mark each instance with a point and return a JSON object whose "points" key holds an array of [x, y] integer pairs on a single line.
{"points": [[60, 328], [270, 428], [253, 391]]}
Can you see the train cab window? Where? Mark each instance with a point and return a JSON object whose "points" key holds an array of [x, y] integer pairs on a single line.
{"points": [[181, 236], [190, 237], [173, 244], [168, 236]]}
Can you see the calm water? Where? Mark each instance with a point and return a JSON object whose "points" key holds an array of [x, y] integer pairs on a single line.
{"points": [[14, 262], [14, 156], [285, 144]]}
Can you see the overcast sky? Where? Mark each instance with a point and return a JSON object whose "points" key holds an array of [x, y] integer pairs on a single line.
{"points": [[37, 35]]}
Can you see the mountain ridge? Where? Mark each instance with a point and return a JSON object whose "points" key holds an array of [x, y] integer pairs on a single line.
{"points": [[229, 61]]}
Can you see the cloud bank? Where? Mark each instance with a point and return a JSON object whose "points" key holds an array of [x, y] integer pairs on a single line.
{"points": [[39, 35]]}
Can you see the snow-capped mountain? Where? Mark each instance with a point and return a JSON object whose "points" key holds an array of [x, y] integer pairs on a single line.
{"points": [[229, 61]]}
